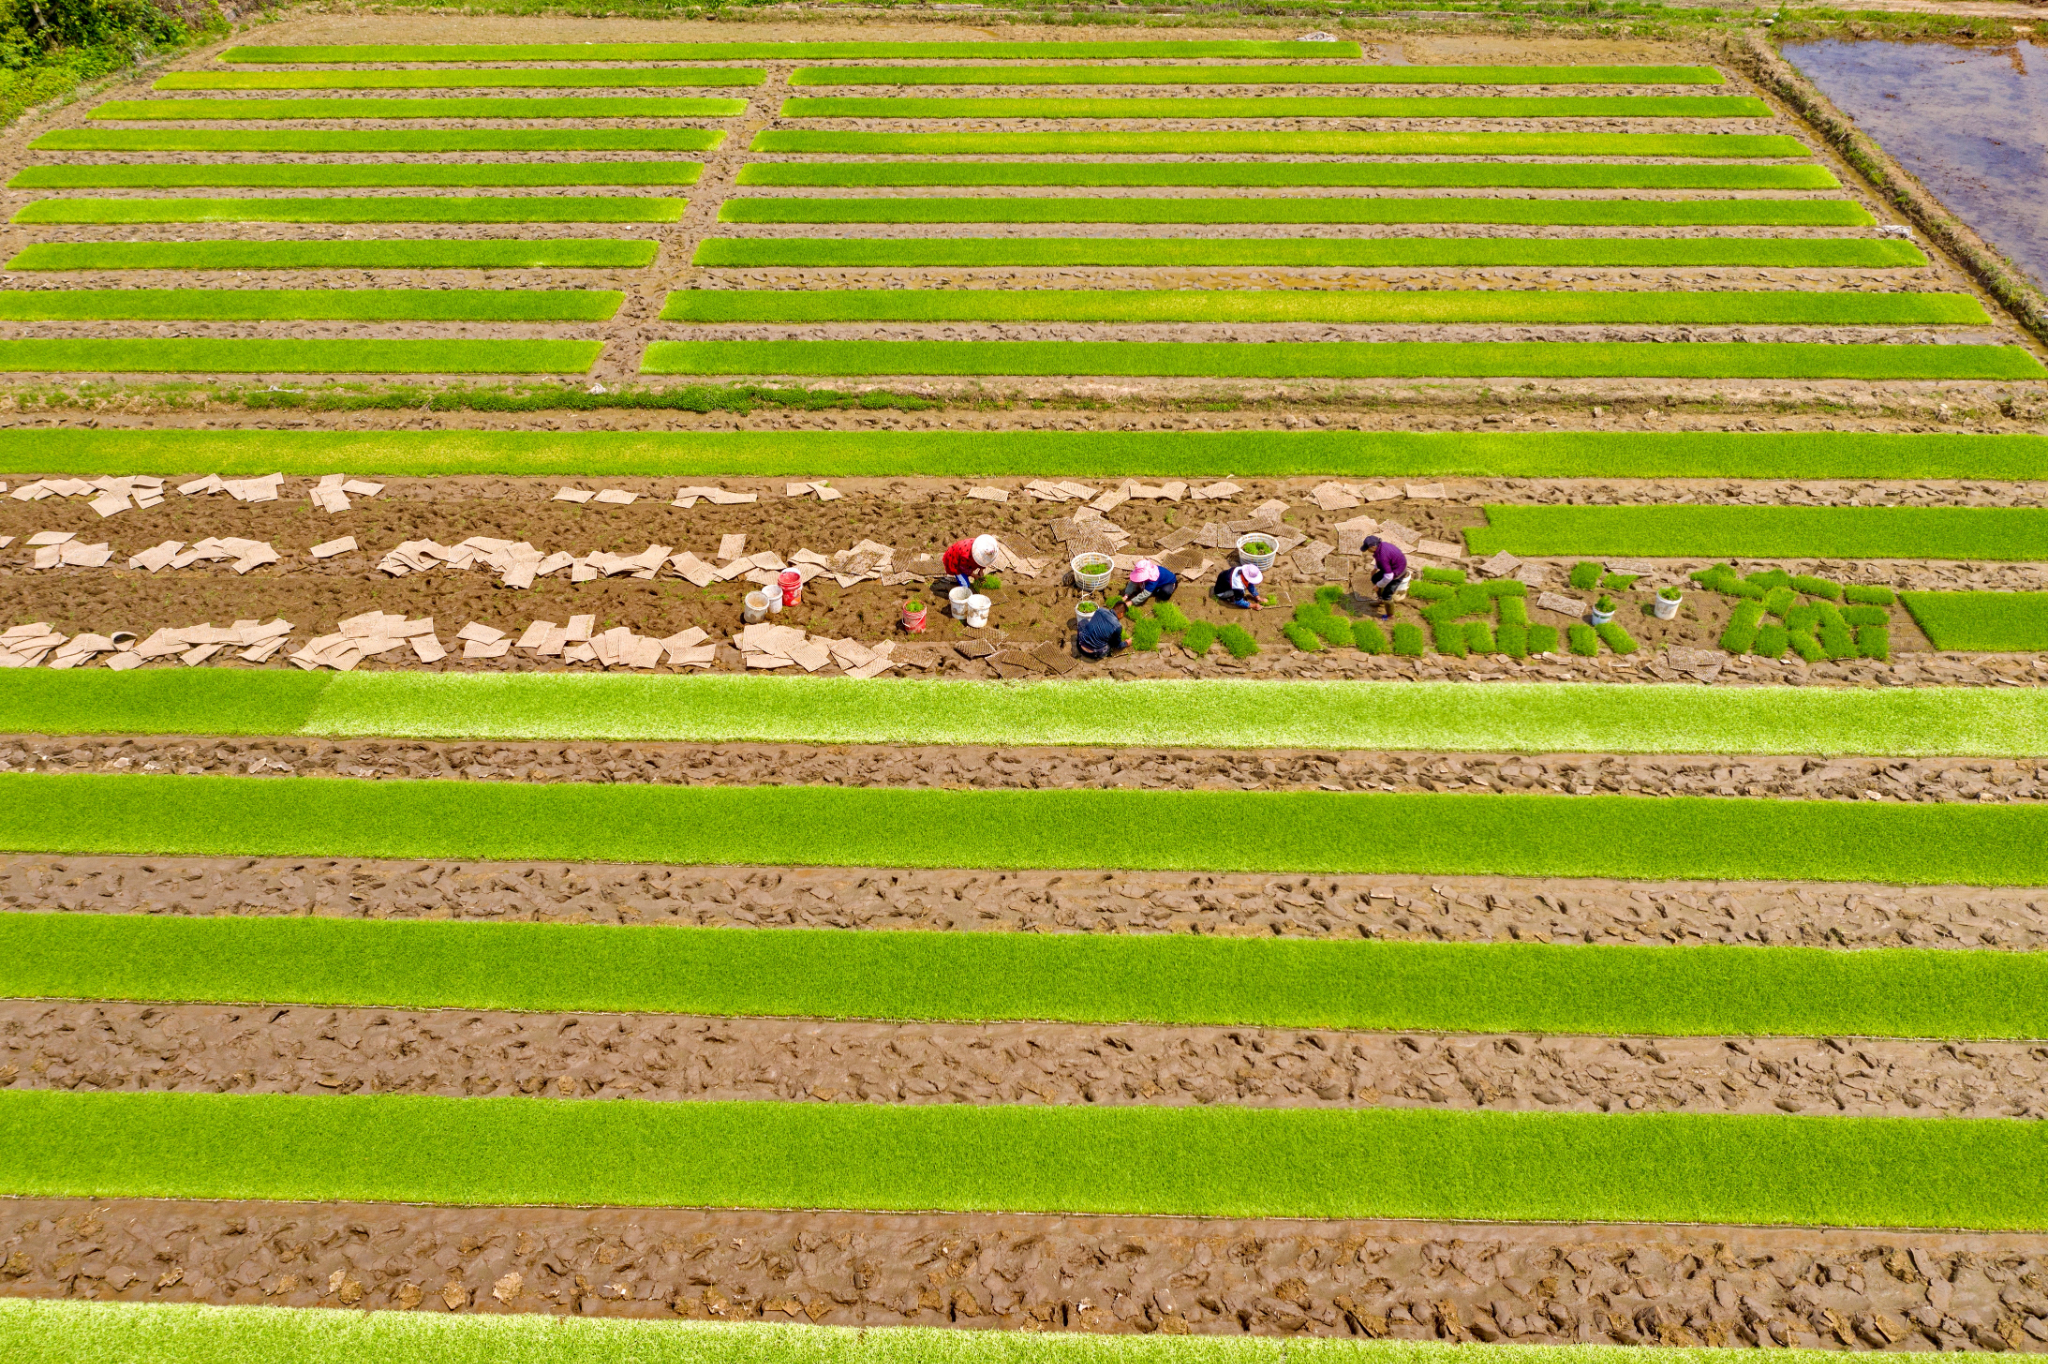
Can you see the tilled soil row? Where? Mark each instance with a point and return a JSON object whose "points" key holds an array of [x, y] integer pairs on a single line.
{"points": [[209, 1048], [1405, 1280], [1404, 908], [1972, 780]]}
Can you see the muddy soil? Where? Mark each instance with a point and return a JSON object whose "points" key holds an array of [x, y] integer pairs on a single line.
{"points": [[1405, 1280], [1977, 781], [208, 1048], [1410, 908]]}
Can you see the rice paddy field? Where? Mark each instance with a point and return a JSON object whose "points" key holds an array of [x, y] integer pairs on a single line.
{"points": [[515, 845]]}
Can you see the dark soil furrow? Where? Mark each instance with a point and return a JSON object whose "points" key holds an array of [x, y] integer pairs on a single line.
{"points": [[1412, 908], [209, 1048], [1405, 1280]]}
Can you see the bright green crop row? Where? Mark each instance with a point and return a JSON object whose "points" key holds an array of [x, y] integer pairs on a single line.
{"points": [[613, 78], [1360, 360], [1106, 979], [1216, 1161], [344, 175], [1447, 717], [247, 356], [1292, 209], [570, 253], [1210, 141], [756, 52], [1627, 837], [1298, 74], [1286, 174], [536, 208], [1286, 106], [1036, 454], [1560, 307], [1607, 253], [2002, 622], [274, 305], [361, 140], [584, 106], [2005, 534]]}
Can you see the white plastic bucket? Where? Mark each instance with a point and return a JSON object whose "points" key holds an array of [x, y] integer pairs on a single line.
{"points": [[1601, 617], [755, 606], [956, 602], [977, 611], [1095, 578], [1664, 608], [1260, 561]]}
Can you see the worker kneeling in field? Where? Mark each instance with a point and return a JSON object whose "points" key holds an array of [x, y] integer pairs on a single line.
{"points": [[1150, 582], [1240, 587], [1102, 634], [968, 561], [1389, 573]]}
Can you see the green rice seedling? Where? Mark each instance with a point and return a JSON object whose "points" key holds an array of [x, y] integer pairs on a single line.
{"points": [[1874, 641], [489, 78], [1584, 642], [1316, 142], [1316, 616], [1367, 637], [1988, 622], [246, 355], [1806, 646], [1431, 592], [1770, 578], [1200, 635], [1271, 106], [351, 305], [1863, 594], [1301, 73], [572, 253], [1286, 175], [1805, 616], [1329, 594], [1817, 587], [1838, 640], [1617, 638], [1472, 600], [1865, 615], [1741, 630], [1719, 578], [1301, 637], [1479, 637], [1542, 639], [1830, 616], [1513, 610], [1409, 641], [1771, 640], [363, 140], [1449, 638], [1454, 576], [992, 583], [467, 208], [578, 107], [1170, 617], [344, 175], [1618, 582], [1145, 633], [1586, 574], [1238, 641], [1779, 600], [1512, 640], [1507, 587], [912, 51], [2007, 534]]}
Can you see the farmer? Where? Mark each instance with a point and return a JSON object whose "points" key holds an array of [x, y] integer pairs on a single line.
{"points": [[1240, 587], [1389, 572], [1102, 634], [1150, 581], [968, 561]]}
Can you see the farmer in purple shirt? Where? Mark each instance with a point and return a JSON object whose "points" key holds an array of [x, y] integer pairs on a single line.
{"points": [[1389, 572]]}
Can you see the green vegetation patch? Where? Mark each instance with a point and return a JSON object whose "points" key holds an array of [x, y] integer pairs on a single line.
{"points": [[583, 106], [568, 253], [1373, 359], [547, 208], [1529, 212], [1534, 306], [1038, 454], [362, 140], [126, 355], [1296, 74], [1991, 622], [1280, 106], [1287, 174], [335, 175], [478, 78], [1723, 532], [1218, 1161], [1606, 253], [808, 52], [273, 305], [1326, 142], [1627, 837]]}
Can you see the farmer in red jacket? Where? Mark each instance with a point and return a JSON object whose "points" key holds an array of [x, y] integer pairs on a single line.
{"points": [[968, 561]]}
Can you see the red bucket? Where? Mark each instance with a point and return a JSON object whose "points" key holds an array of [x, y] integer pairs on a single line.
{"points": [[792, 584]]}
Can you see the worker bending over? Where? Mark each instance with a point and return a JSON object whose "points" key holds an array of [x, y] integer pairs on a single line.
{"points": [[1150, 581], [1240, 587], [967, 562], [1389, 572], [1102, 634]]}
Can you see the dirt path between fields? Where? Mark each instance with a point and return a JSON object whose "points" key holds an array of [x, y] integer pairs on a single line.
{"points": [[1972, 780], [1411, 908], [1405, 1280], [209, 1048]]}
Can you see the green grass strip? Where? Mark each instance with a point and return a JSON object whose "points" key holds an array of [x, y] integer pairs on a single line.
{"points": [[1299, 74], [1092, 209], [1993, 622], [1505, 717], [1530, 306], [1220, 1161], [584, 106], [1285, 106], [802, 52], [1286, 174], [130, 355], [1175, 979], [2005, 534], [349, 176], [1203, 141], [343, 305], [1366, 360], [570, 253], [1833, 253], [381, 140], [539, 208], [613, 78], [1037, 454], [1633, 838]]}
